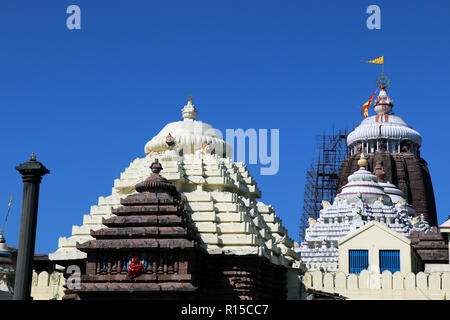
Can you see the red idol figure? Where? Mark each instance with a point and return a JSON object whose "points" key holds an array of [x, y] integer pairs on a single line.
{"points": [[135, 267]]}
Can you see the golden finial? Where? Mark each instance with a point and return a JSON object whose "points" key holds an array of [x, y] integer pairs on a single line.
{"points": [[362, 162]]}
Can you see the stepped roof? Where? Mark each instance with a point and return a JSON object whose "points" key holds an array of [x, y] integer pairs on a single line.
{"points": [[219, 195]]}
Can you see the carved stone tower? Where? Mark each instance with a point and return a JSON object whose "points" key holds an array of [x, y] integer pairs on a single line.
{"points": [[386, 139]]}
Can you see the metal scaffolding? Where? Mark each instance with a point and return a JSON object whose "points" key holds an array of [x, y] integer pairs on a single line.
{"points": [[322, 177]]}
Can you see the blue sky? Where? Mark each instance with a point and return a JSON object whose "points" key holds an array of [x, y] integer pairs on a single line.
{"points": [[86, 101]]}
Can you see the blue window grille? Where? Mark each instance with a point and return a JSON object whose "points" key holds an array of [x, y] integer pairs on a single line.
{"points": [[358, 260], [390, 260]]}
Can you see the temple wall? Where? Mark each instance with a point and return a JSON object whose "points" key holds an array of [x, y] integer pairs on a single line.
{"points": [[385, 286], [374, 237], [45, 286]]}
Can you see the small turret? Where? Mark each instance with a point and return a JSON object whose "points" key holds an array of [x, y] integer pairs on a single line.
{"points": [[189, 111]]}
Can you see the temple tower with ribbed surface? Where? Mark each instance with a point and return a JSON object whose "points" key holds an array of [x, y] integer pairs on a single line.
{"points": [[388, 140]]}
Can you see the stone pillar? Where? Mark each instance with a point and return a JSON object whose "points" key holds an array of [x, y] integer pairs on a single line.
{"points": [[32, 172]]}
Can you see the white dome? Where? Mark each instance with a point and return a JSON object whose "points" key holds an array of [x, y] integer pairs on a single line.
{"points": [[395, 129], [189, 134], [363, 184], [383, 125], [392, 191]]}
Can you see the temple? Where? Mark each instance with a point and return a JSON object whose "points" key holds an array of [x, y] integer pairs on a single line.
{"points": [[148, 247], [390, 145], [247, 250], [387, 139], [384, 180], [184, 223], [363, 199]]}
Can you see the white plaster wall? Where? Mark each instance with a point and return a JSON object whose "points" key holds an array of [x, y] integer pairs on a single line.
{"points": [[374, 239], [45, 286], [399, 286]]}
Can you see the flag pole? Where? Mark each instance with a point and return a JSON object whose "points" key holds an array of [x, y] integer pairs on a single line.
{"points": [[6, 217]]}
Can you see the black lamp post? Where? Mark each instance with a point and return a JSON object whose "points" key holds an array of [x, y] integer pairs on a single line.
{"points": [[32, 172]]}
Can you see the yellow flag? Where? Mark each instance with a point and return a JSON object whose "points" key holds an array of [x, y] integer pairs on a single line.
{"points": [[379, 60], [10, 201]]}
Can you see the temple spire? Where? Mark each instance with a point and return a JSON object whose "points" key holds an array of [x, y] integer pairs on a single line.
{"points": [[189, 111], [383, 82], [383, 103]]}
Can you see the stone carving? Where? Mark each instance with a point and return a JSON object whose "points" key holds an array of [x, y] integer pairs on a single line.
{"points": [[207, 148], [149, 151], [170, 142], [405, 147], [379, 171], [34, 280], [325, 203], [54, 278], [382, 145], [280, 240], [136, 266]]}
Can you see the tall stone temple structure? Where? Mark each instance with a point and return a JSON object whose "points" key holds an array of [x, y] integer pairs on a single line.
{"points": [[388, 140], [392, 147], [190, 227], [383, 180]]}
